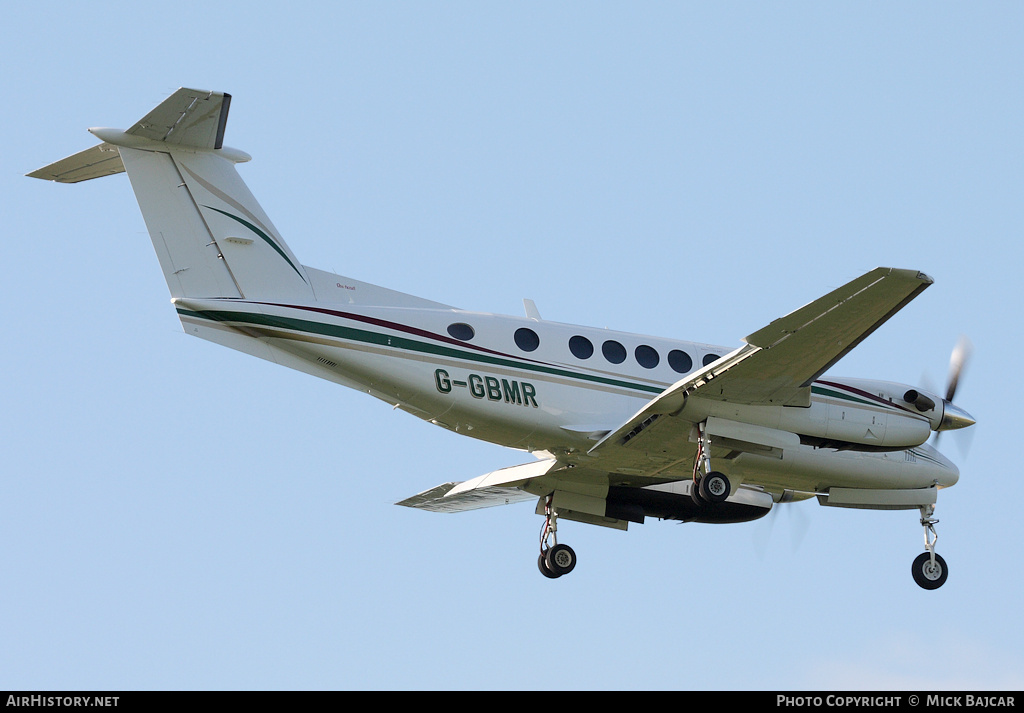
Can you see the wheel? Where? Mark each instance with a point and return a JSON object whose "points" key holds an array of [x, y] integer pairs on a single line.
{"points": [[927, 575], [714, 487], [561, 559], [542, 565], [695, 494]]}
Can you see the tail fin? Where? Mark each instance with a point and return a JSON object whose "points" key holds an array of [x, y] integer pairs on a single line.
{"points": [[210, 234]]}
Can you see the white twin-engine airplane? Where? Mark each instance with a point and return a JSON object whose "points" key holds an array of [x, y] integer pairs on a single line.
{"points": [[623, 427]]}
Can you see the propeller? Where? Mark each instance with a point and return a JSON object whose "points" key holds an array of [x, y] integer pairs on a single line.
{"points": [[953, 416], [796, 518], [957, 363]]}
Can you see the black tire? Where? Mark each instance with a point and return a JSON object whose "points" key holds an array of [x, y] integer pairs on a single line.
{"points": [[927, 576], [560, 559], [542, 565], [695, 494], [714, 487]]}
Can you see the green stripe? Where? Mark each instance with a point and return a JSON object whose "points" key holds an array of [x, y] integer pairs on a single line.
{"points": [[395, 342], [263, 235]]}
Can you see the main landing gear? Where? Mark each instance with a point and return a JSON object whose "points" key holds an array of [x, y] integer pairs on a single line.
{"points": [[929, 569], [555, 559], [712, 487]]}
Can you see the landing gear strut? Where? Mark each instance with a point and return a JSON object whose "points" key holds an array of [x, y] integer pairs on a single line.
{"points": [[712, 487], [555, 559], [929, 569]]}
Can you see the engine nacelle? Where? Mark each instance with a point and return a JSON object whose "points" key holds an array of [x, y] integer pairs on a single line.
{"points": [[916, 402], [880, 414], [857, 414], [668, 501], [672, 501]]}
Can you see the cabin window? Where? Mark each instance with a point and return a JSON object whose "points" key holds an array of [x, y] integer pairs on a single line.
{"points": [[708, 358], [680, 362], [613, 351], [646, 356], [461, 331], [581, 347], [527, 339]]}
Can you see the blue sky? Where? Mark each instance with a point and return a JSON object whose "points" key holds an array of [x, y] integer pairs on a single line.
{"points": [[177, 515]]}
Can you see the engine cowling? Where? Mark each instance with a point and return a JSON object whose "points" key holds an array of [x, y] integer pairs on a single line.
{"points": [[879, 413], [856, 414]]}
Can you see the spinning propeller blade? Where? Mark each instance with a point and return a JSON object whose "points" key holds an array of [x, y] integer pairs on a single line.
{"points": [[957, 362], [954, 417]]}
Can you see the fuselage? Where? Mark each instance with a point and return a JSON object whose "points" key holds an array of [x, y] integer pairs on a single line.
{"points": [[554, 388]]}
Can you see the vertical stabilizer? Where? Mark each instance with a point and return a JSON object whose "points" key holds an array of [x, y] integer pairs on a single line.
{"points": [[188, 256], [261, 263], [210, 234]]}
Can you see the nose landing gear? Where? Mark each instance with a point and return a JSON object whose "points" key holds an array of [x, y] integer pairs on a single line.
{"points": [[929, 569]]}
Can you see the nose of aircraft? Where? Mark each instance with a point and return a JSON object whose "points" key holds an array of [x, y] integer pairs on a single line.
{"points": [[954, 417]]}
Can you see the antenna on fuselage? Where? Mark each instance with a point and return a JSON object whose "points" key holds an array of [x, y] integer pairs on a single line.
{"points": [[531, 309]]}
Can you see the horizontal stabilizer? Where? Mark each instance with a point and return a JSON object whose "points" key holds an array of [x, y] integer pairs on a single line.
{"points": [[99, 161], [189, 118], [192, 118]]}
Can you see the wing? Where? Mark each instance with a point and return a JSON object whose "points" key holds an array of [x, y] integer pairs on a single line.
{"points": [[581, 493], [778, 363], [589, 495], [798, 348], [500, 487]]}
